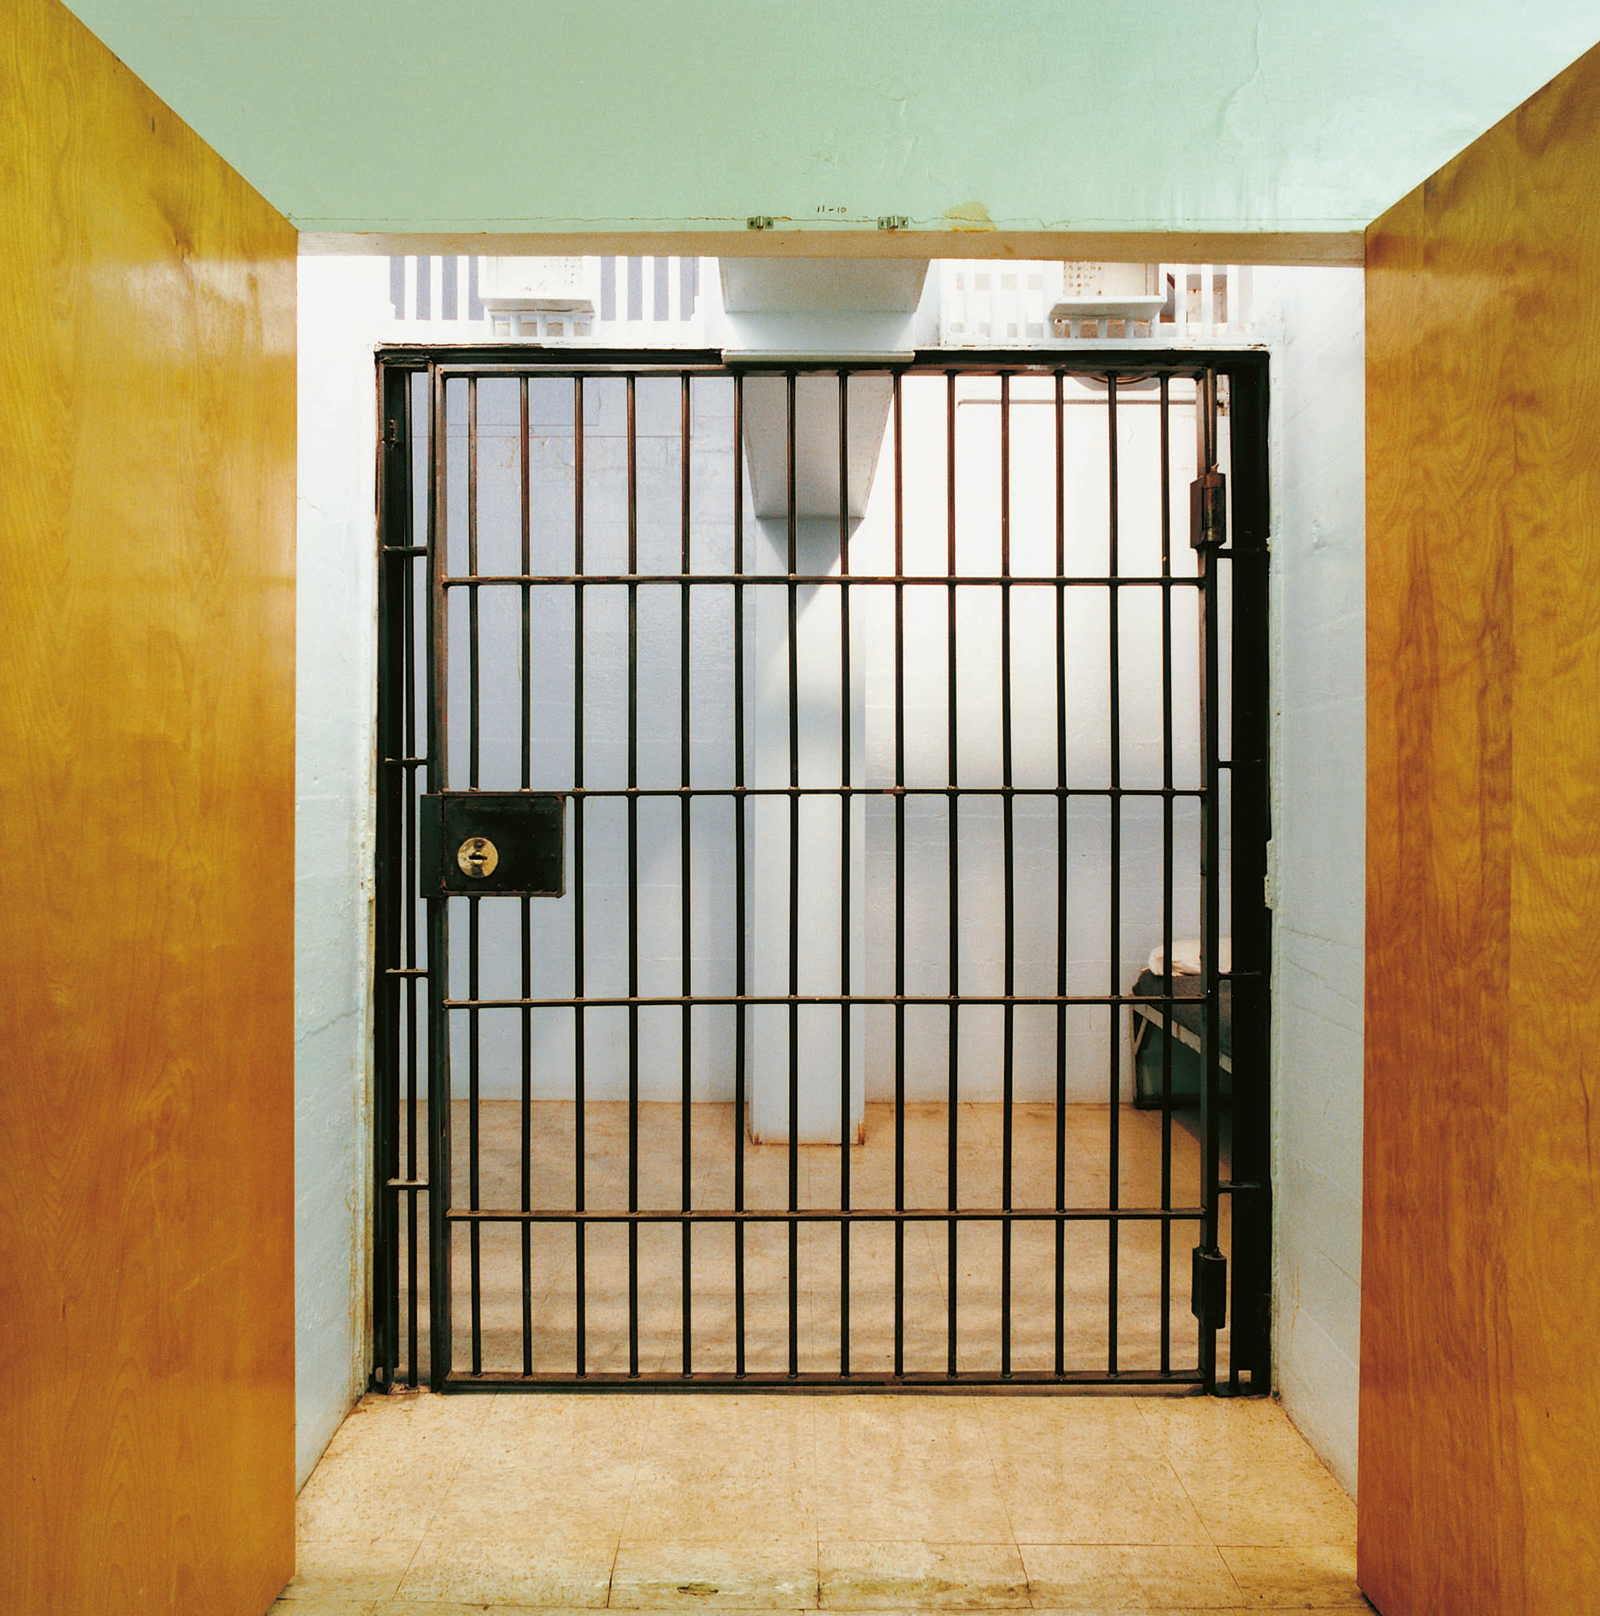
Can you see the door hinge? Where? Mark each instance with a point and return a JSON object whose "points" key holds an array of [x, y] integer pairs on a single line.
{"points": [[1208, 511], [1208, 1300], [391, 434]]}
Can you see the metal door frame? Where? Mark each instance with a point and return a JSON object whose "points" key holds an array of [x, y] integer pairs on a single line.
{"points": [[398, 1181]]}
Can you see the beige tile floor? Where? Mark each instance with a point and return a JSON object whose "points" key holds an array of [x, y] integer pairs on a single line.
{"points": [[1085, 1299], [434, 1506]]}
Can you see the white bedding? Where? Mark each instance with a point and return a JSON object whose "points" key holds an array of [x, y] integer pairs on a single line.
{"points": [[1186, 957]]}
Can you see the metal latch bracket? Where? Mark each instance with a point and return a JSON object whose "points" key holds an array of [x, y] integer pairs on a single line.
{"points": [[1208, 1300]]}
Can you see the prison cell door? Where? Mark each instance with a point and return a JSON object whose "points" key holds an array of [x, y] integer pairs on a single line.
{"points": [[785, 773]]}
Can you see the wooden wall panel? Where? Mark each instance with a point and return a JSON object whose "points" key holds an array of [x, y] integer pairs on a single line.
{"points": [[1480, 1413], [146, 849]]}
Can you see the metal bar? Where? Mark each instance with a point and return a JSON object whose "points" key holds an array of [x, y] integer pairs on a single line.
{"points": [[794, 885], [622, 1001], [411, 902], [473, 678], [1167, 872], [579, 943], [1024, 1383], [846, 1107], [439, 1254], [685, 888], [1061, 884], [785, 1215], [633, 873], [525, 661], [1250, 1339], [809, 580], [1008, 895], [1114, 945], [393, 580], [474, 728], [952, 748], [1138, 359], [740, 940], [1210, 872], [879, 791], [899, 885], [473, 1138]]}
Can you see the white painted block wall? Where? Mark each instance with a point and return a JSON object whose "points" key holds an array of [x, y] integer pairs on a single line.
{"points": [[335, 713], [1319, 791]]}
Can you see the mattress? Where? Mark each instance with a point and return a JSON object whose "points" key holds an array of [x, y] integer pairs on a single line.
{"points": [[1188, 1011]]}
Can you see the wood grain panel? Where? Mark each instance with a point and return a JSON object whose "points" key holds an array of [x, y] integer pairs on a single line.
{"points": [[1480, 1471], [146, 849]]}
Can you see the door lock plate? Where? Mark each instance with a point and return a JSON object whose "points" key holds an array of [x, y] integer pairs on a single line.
{"points": [[494, 844]]}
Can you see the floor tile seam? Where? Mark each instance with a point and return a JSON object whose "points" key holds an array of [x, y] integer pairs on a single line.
{"points": [[455, 1475], [814, 1475], [1152, 1610], [411, 1560], [611, 1574], [978, 1419], [1200, 1516], [1228, 1546]]}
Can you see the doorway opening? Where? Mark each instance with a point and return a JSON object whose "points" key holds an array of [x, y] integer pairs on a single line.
{"points": [[821, 933]]}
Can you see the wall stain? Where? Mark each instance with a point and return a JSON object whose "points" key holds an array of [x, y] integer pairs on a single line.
{"points": [[968, 216]]}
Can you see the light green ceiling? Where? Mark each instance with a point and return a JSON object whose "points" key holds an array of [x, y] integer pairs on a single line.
{"points": [[660, 115]]}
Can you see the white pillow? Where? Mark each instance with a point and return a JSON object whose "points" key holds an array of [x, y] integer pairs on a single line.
{"points": [[1186, 957]]}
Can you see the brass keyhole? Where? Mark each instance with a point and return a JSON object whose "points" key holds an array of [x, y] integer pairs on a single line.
{"points": [[477, 857]]}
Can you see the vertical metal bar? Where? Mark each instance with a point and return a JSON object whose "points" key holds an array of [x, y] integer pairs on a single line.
{"points": [[1061, 877], [1210, 870], [899, 888], [952, 745], [684, 884], [439, 1253], [1114, 943], [579, 1051], [1008, 857], [474, 1142], [1250, 1338], [740, 951], [525, 661], [846, 1109], [1167, 782], [633, 874], [394, 578], [794, 887], [411, 900]]}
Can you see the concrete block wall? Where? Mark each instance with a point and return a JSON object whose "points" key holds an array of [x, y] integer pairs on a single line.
{"points": [[1319, 791]]}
